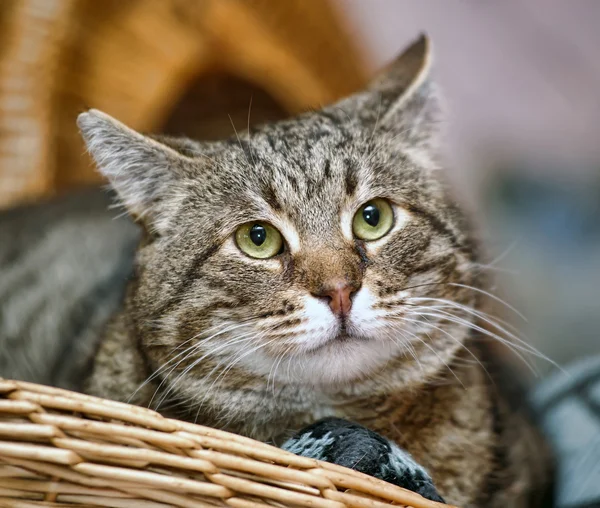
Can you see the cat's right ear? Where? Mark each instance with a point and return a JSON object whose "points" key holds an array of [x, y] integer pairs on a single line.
{"points": [[402, 100], [141, 170]]}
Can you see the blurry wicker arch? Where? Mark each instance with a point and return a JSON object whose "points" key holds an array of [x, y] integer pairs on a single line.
{"points": [[180, 66]]}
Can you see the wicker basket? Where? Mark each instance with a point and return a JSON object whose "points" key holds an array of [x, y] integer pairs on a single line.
{"points": [[138, 60], [59, 448]]}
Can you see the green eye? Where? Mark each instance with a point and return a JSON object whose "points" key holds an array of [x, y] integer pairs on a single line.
{"points": [[259, 240], [373, 220]]}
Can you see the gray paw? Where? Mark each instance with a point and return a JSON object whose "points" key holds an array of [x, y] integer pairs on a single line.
{"points": [[351, 445]]}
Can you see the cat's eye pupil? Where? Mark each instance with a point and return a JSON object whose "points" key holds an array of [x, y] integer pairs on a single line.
{"points": [[258, 234], [373, 220], [371, 215]]}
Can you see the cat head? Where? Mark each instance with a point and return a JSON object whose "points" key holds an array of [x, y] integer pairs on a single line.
{"points": [[313, 250]]}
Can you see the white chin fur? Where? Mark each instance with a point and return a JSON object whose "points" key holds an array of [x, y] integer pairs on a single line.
{"points": [[338, 361], [321, 358]]}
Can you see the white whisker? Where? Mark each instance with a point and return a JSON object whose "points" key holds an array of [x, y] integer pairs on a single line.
{"points": [[230, 365], [485, 318], [490, 295], [516, 348], [187, 350], [449, 335], [235, 340]]}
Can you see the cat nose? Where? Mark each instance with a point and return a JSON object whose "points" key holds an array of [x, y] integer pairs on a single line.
{"points": [[339, 296]]}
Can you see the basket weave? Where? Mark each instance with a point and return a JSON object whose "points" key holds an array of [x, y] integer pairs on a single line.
{"points": [[136, 60], [60, 448]]}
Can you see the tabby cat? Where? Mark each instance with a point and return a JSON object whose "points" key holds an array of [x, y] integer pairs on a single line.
{"points": [[315, 268]]}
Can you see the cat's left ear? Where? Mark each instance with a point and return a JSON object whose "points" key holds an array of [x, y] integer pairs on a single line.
{"points": [[402, 99], [143, 171]]}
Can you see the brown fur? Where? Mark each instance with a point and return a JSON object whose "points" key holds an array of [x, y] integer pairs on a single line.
{"points": [[211, 335]]}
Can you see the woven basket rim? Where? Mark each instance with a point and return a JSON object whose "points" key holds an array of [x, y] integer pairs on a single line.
{"points": [[68, 447]]}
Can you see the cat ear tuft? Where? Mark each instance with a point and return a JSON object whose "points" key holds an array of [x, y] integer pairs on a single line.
{"points": [[140, 169], [407, 73], [403, 101]]}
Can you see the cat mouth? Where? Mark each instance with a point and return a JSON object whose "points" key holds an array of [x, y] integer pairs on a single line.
{"points": [[342, 337], [347, 332]]}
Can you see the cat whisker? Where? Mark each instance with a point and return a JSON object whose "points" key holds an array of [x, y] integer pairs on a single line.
{"points": [[517, 349], [439, 357], [164, 366], [187, 350], [239, 141], [498, 258], [466, 286], [240, 357], [461, 344], [450, 317], [242, 354], [376, 122], [448, 334], [235, 340], [492, 296], [276, 366], [486, 318], [480, 267], [289, 364], [181, 376], [210, 330], [406, 344], [248, 129], [287, 324], [278, 358], [254, 336]]}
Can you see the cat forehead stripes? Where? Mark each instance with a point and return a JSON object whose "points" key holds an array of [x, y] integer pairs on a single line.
{"points": [[314, 156]]}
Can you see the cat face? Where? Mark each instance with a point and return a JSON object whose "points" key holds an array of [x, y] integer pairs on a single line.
{"points": [[314, 250]]}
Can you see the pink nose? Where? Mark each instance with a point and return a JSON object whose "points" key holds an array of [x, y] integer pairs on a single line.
{"points": [[339, 294]]}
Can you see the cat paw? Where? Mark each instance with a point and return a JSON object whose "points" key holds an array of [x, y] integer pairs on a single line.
{"points": [[356, 447]]}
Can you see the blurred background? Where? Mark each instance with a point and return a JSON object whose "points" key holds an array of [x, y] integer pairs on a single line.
{"points": [[520, 78]]}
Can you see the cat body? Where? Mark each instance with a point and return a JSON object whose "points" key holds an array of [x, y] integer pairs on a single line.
{"points": [[478, 448], [64, 265], [312, 268]]}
